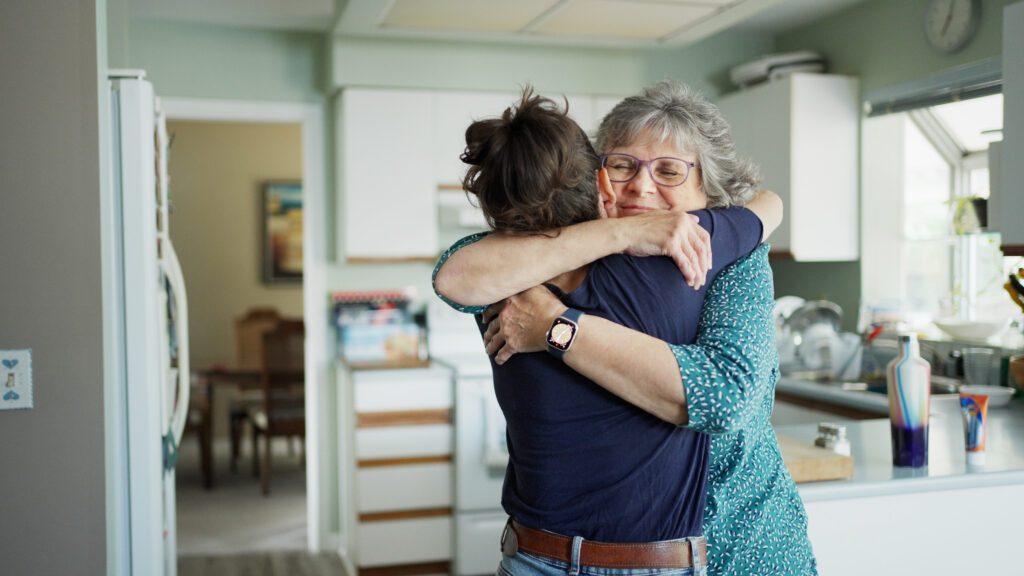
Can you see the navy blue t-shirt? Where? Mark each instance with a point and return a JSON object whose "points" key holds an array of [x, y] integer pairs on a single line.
{"points": [[583, 462]]}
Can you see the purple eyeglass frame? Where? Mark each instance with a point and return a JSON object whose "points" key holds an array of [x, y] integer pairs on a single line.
{"points": [[647, 163]]}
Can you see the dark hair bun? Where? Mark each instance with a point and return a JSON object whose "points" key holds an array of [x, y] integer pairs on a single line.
{"points": [[532, 169]]}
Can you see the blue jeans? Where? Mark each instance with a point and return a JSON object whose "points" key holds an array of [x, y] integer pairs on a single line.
{"points": [[524, 564]]}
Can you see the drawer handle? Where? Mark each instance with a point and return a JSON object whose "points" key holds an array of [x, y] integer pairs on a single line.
{"points": [[403, 418], [405, 514], [382, 462]]}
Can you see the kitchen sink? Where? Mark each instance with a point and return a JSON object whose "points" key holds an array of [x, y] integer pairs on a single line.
{"points": [[941, 386]]}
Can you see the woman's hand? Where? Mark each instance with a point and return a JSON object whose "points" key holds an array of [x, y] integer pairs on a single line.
{"points": [[520, 323], [677, 235]]}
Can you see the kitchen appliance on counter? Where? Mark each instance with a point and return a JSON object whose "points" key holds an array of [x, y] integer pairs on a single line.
{"points": [[481, 452]]}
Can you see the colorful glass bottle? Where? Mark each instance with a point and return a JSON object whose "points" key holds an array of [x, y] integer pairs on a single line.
{"points": [[909, 379]]}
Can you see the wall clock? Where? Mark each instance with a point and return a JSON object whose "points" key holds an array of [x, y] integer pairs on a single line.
{"points": [[950, 24]]}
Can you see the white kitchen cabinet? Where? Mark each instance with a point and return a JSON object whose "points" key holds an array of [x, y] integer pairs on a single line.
{"points": [[403, 542], [409, 487], [396, 148], [403, 441], [386, 174], [453, 113], [396, 447], [801, 131], [602, 105], [402, 390], [1007, 194]]}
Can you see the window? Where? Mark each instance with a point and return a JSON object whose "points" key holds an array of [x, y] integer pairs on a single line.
{"points": [[938, 156]]}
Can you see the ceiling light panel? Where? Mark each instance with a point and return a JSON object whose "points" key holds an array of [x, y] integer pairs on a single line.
{"points": [[475, 16], [624, 19]]}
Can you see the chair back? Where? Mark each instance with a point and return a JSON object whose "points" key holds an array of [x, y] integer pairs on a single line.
{"points": [[282, 375], [249, 330]]}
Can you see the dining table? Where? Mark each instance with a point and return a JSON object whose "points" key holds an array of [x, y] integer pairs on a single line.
{"points": [[204, 381]]}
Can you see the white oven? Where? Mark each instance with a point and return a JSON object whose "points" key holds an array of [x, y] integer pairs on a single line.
{"points": [[481, 454]]}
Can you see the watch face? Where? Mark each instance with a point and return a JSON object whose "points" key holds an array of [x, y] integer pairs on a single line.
{"points": [[561, 334]]}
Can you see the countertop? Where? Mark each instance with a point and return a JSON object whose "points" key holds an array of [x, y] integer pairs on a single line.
{"points": [[835, 393], [874, 474]]}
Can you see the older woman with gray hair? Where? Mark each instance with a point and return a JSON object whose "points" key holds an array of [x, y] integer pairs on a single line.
{"points": [[666, 151]]}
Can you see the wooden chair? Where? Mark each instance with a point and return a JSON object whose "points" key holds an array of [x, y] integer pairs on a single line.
{"points": [[282, 379], [199, 422], [249, 330]]}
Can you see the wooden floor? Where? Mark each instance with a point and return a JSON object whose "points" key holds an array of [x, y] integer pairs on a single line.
{"points": [[262, 564]]}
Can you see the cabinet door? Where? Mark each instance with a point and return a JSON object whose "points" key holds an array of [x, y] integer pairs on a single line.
{"points": [[601, 107], [801, 131], [824, 215], [581, 109], [1007, 197], [760, 121], [453, 113], [386, 174]]}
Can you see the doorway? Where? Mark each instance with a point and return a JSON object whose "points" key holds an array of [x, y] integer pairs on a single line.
{"points": [[223, 213], [228, 183]]}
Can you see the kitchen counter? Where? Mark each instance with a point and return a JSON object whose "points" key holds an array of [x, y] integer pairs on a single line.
{"points": [[874, 474], [834, 393], [946, 518]]}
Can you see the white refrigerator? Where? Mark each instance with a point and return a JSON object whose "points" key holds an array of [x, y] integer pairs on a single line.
{"points": [[146, 332]]}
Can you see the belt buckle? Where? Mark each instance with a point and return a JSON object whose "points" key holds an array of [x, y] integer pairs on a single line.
{"points": [[509, 540]]}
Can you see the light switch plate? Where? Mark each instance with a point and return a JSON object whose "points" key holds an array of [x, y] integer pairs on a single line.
{"points": [[15, 379]]}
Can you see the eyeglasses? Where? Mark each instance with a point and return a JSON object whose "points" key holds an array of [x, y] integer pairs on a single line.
{"points": [[666, 171]]}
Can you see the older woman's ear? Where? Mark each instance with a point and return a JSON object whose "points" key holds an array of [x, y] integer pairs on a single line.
{"points": [[606, 195]]}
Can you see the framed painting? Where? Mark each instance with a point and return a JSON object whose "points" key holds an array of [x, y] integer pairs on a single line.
{"points": [[282, 232]]}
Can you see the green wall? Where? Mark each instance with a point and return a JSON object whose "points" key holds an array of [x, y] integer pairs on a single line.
{"points": [[199, 61], [882, 42]]}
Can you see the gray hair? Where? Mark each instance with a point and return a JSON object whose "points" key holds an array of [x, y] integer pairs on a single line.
{"points": [[674, 113]]}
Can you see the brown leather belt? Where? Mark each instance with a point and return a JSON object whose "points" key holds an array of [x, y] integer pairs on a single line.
{"points": [[667, 554]]}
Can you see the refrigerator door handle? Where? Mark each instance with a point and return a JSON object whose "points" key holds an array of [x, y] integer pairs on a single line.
{"points": [[172, 269]]}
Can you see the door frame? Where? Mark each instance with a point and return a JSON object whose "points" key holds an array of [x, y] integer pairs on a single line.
{"points": [[321, 492]]}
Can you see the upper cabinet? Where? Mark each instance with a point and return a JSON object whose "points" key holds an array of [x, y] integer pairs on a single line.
{"points": [[453, 113], [801, 131], [385, 169], [397, 148], [1005, 166]]}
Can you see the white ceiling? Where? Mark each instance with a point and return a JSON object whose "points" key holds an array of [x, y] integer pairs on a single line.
{"points": [[582, 22]]}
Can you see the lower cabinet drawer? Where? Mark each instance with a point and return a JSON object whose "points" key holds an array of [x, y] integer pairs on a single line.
{"points": [[403, 441], [416, 540], [406, 487]]}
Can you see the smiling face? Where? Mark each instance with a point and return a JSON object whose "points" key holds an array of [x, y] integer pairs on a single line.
{"points": [[642, 194]]}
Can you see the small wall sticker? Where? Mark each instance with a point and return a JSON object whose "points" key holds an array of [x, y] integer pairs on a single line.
{"points": [[15, 379]]}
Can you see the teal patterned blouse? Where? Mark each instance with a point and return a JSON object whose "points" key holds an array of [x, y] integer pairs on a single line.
{"points": [[755, 521]]}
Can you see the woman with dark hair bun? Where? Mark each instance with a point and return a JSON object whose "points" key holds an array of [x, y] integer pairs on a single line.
{"points": [[606, 433]]}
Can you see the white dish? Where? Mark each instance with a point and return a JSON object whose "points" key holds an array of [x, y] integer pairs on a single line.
{"points": [[997, 395], [971, 329]]}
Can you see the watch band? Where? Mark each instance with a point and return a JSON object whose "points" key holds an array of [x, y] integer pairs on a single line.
{"points": [[562, 332]]}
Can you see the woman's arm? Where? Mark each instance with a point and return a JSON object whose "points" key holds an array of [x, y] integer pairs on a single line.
{"points": [[734, 362], [707, 385], [638, 368], [501, 265], [768, 207]]}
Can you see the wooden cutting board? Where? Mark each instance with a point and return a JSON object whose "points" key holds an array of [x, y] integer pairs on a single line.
{"points": [[809, 463]]}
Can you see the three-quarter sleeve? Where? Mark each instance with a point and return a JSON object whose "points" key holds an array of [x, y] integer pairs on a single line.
{"points": [[459, 244], [727, 373]]}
